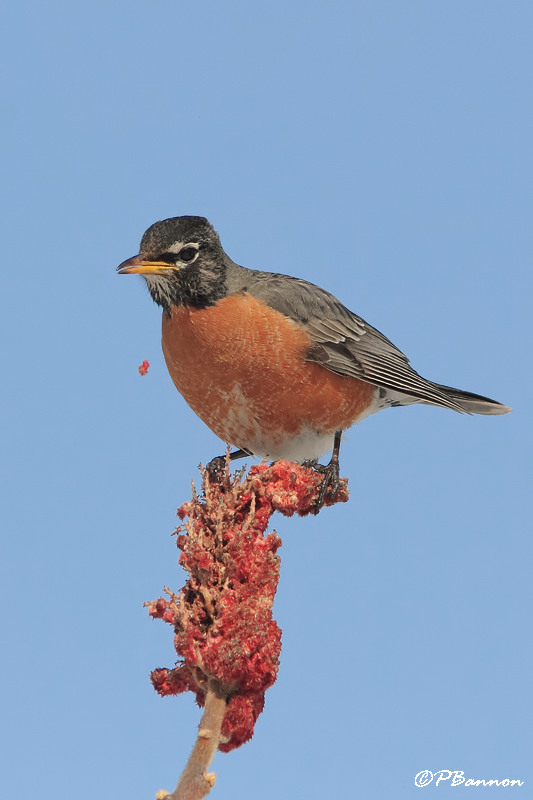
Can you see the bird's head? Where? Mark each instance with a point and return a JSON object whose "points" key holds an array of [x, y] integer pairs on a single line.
{"points": [[182, 261]]}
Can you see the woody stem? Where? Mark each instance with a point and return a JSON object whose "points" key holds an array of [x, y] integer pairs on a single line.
{"points": [[195, 781]]}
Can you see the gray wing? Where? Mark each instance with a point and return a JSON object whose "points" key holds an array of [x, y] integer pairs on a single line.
{"points": [[346, 344]]}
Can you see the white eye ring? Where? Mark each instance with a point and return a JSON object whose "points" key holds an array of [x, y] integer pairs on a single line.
{"points": [[191, 250]]}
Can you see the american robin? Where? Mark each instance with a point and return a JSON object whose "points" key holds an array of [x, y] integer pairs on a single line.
{"points": [[274, 365]]}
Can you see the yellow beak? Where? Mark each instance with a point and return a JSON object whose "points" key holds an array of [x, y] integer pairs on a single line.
{"points": [[136, 265]]}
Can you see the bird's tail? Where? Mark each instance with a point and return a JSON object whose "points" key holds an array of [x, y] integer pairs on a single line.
{"points": [[472, 403]]}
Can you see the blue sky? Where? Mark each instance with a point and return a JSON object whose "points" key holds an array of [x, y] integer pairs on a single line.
{"points": [[382, 150]]}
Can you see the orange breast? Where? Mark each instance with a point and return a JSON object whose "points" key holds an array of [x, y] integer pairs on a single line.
{"points": [[240, 366]]}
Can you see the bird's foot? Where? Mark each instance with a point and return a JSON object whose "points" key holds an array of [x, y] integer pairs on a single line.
{"points": [[216, 469], [330, 480], [219, 466]]}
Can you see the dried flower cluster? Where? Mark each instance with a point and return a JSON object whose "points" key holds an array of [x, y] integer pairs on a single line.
{"points": [[222, 618]]}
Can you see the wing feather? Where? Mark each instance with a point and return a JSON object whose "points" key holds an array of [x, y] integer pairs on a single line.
{"points": [[343, 342]]}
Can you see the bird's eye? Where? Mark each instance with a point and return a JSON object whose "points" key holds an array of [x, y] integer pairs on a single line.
{"points": [[188, 254]]}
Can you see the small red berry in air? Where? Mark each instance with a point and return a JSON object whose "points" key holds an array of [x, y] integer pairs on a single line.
{"points": [[143, 369]]}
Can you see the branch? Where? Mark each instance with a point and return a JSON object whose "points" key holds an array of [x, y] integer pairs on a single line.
{"points": [[195, 781]]}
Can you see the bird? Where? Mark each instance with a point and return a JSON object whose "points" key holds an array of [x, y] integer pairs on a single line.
{"points": [[276, 366]]}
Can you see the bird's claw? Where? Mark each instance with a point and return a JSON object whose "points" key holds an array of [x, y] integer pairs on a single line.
{"points": [[216, 469], [330, 481]]}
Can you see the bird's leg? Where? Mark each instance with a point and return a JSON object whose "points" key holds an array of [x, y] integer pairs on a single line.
{"points": [[330, 472], [216, 466]]}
